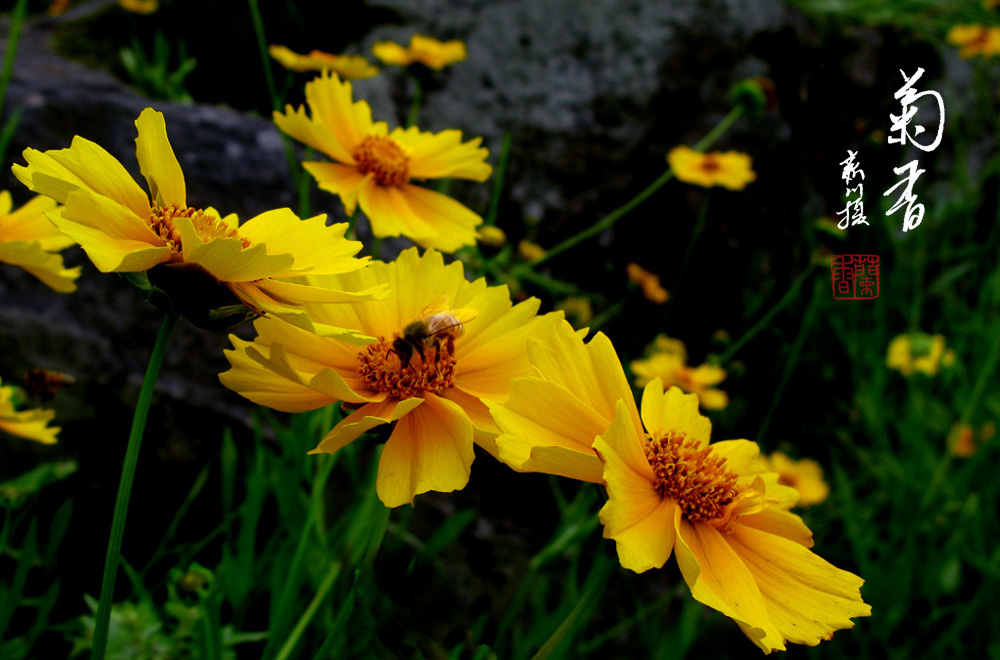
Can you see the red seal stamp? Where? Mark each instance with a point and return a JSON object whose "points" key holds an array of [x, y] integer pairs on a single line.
{"points": [[855, 276]]}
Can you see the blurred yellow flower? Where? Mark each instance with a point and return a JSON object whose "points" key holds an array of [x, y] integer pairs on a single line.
{"points": [[578, 310], [139, 6], [730, 169], [422, 50], [530, 251], [346, 66], [374, 167], [648, 282], [492, 236], [29, 240], [918, 352], [123, 231], [31, 424], [975, 40], [667, 360], [57, 7], [805, 476], [727, 519], [553, 415], [444, 348]]}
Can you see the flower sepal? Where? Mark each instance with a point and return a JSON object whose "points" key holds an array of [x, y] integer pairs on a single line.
{"points": [[187, 291]]}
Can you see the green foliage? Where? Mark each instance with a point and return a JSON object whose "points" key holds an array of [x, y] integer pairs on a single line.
{"points": [[153, 74]]}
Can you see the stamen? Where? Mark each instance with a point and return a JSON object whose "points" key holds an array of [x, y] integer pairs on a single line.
{"points": [[382, 157], [710, 164], [691, 475], [206, 226], [384, 369]]}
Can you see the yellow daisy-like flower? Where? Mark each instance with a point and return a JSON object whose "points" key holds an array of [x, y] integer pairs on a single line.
{"points": [[445, 347], [374, 167], [667, 360], [29, 240], [975, 40], [648, 282], [346, 66], [422, 50], [552, 416], [805, 476], [725, 517], [31, 424], [730, 169], [917, 352], [123, 231]]}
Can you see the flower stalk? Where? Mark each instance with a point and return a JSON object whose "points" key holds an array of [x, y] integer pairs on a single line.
{"points": [[125, 487]]}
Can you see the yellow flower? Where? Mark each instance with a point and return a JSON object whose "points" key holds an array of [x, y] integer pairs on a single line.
{"points": [[530, 251], [347, 66], [578, 310], [918, 352], [730, 169], [28, 240], [492, 236], [121, 230], [805, 476], [649, 283], [975, 40], [374, 167], [552, 416], [725, 517], [30, 424], [422, 50], [667, 360], [139, 6], [445, 346]]}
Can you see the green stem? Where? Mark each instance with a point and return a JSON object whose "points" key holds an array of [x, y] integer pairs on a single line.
{"points": [[258, 28], [985, 374], [125, 486], [491, 214], [351, 221], [793, 357], [765, 320], [416, 104], [307, 616], [699, 225], [612, 311], [13, 36], [376, 247], [610, 219]]}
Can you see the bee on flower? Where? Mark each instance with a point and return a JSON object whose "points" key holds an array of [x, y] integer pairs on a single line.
{"points": [[375, 168], [32, 423], [444, 349]]}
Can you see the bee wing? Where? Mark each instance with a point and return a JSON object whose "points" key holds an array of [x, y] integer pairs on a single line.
{"points": [[436, 306], [463, 315]]}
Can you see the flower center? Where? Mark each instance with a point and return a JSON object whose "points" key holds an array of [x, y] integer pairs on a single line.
{"points": [[710, 164], [692, 476], [385, 159], [206, 226], [398, 368]]}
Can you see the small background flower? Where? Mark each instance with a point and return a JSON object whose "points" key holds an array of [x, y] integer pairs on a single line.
{"points": [[804, 475], [422, 50], [730, 169], [350, 67], [975, 40], [917, 352], [30, 423], [29, 240], [666, 359]]}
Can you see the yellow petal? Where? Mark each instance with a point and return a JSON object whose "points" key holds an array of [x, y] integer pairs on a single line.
{"points": [[30, 424], [226, 258], [251, 376], [391, 53], [540, 414], [157, 161], [719, 578], [102, 174], [114, 238], [807, 598], [437, 155], [430, 449], [779, 521], [315, 247], [44, 265], [343, 180], [673, 411], [350, 122], [296, 124], [428, 218], [364, 418], [29, 223]]}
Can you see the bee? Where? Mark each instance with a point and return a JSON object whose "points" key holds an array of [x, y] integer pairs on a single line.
{"points": [[435, 322], [43, 384]]}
